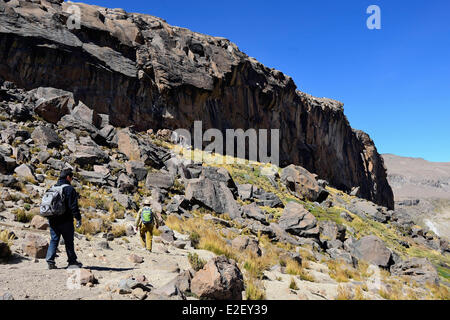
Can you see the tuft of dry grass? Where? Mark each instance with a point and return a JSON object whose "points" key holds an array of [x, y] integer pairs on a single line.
{"points": [[196, 262], [7, 238], [341, 272], [119, 231], [293, 284], [344, 293], [23, 216], [438, 292], [392, 293], [254, 290], [293, 268], [116, 211], [359, 295]]}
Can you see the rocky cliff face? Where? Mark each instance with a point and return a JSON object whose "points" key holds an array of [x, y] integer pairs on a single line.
{"points": [[143, 72]]}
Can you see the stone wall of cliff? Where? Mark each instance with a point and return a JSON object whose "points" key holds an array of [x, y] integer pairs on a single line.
{"points": [[143, 72]]}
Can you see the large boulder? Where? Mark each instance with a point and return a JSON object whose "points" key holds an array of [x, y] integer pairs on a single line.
{"points": [[242, 243], [53, 104], [159, 180], [35, 246], [342, 255], [419, 269], [25, 171], [86, 277], [220, 279], [96, 178], [86, 115], [299, 221], [178, 286], [45, 136], [220, 175], [365, 208], [139, 150], [245, 191], [126, 184], [252, 211], [303, 184], [8, 181], [372, 250], [330, 230], [5, 251], [7, 164], [39, 223], [90, 156], [213, 195], [13, 132], [267, 199], [136, 169]]}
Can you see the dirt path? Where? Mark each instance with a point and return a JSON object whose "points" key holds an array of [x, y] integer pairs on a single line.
{"points": [[27, 278]]}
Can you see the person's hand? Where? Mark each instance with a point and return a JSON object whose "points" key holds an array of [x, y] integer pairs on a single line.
{"points": [[78, 224]]}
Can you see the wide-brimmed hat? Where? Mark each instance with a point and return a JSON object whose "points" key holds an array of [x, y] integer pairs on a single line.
{"points": [[147, 202]]}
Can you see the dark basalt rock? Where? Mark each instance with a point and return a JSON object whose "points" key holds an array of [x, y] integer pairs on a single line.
{"points": [[145, 73]]}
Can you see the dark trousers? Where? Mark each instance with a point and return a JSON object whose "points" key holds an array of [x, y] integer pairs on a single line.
{"points": [[67, 231]]}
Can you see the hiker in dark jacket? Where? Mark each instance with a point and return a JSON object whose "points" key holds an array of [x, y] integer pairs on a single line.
{"points": [[63, 225]]}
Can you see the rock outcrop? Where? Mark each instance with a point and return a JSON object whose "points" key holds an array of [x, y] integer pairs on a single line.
{"points": [[220, 279], [143, 72]]}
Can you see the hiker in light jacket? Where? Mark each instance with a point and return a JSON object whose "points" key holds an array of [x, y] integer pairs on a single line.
{"points": [[63, 225], [145, 230]]}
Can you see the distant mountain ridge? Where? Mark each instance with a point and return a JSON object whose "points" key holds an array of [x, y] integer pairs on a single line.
{"points": [[422, 188]]}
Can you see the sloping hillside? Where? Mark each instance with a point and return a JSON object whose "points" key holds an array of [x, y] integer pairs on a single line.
{"points": [[264, 231]]}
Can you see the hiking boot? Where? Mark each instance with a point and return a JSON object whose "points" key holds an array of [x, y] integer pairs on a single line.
{"points": [[52, 266], [75, 264]]}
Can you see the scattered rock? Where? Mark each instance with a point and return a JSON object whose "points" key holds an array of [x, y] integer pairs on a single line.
{"points": [[252, 211], [167, 234], [339, 254], [135, 258], [245, 191], [299, 221], [242, 243], [39, 223], [25, 171], [35, 246], [139, 294], [126, 286], [419, 269], [365, 208], [136, 169], [104, 245], [87, 277], [46, 136], [159, 180], [303, 184], [267, 199], [6, 297], [213, 195], [329, 231], [373, 250]]}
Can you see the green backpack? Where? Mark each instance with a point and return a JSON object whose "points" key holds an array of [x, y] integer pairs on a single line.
{"points": [[147, 215]]}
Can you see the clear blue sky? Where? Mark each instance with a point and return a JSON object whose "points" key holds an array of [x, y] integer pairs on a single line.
{"points": [[394, 82]]}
